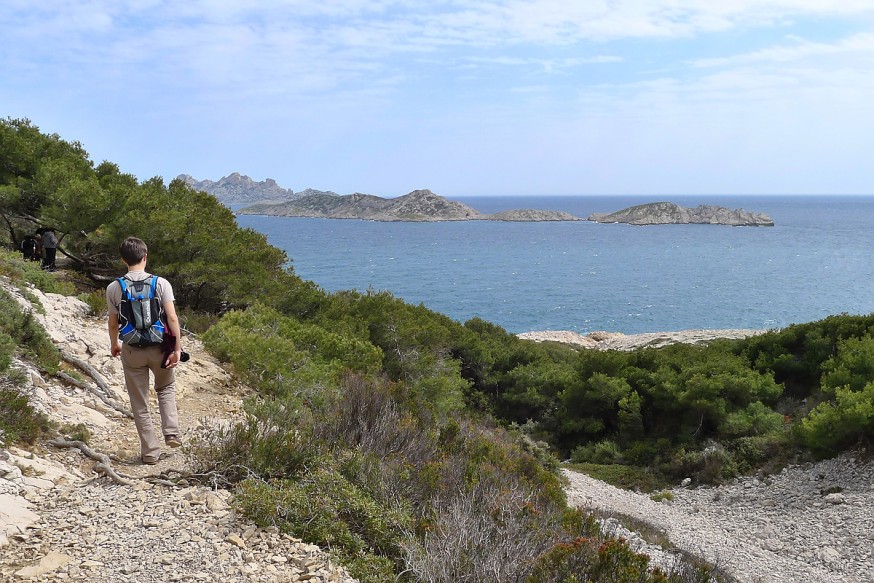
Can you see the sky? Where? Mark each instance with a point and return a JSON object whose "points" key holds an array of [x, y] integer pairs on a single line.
{"points": [[464, 97]]}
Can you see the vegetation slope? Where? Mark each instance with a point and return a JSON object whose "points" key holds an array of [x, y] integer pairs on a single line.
{"points": [[416, 447]]}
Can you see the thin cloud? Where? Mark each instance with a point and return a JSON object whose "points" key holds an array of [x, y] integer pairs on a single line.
{"points": [[547, 65], [802, 49]]}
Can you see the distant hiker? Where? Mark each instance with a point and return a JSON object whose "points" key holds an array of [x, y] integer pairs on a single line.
{"points": [[141, 308], [37, 236], [28, 248], [50, 247]]}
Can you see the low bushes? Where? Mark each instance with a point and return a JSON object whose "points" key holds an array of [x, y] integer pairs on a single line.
{"points": [[836, 425], [20, 334], [390, 490], [19, 422], [13, 266]]}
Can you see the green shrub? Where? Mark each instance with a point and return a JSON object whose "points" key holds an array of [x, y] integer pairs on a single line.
{"points": [[26, 334], [273, 441], [194, 321], [755, 419], [852, 366], [660, 496], [621, 476], [843, 423], [602, 453], [325, 508], [708, 466], [281, 356], [769, 452], [13, 266], [7, 349], [77, 432], [96, 301], [19, 421], [586, 559]]}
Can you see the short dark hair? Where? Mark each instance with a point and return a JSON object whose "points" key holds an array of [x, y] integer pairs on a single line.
{"points": [[133, 250]]}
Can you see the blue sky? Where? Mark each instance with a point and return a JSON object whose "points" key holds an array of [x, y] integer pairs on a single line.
{"points": [[465, 97]]}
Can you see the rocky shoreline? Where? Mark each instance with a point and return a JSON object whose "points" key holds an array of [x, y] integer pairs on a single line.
{"points": [[619, 341]]}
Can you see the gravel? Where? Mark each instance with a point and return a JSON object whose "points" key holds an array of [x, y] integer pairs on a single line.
{"points": [[812, 523]]}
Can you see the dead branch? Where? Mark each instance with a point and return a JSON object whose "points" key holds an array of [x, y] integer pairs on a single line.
{"points": [[104, 465], [107, 396], [109, 401], [90, 371]]}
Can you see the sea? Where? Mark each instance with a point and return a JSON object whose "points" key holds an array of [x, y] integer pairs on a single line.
{"points": [[582, 276]]}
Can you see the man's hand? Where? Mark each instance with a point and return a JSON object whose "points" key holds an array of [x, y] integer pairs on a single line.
{"points": [[173, 359], [115, 349]]}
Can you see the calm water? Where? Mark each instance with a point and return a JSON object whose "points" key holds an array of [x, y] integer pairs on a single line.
{"points": [[585, 276]]}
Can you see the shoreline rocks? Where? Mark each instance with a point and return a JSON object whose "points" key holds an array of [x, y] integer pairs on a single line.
{"points": [[618, 341]]}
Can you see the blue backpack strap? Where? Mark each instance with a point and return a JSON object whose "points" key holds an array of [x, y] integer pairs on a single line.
{"points": [[125, 294], [154, 287]]}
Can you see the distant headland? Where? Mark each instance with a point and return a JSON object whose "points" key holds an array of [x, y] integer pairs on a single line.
{"points": [[268, 198], [667, 213], [417, 206]]}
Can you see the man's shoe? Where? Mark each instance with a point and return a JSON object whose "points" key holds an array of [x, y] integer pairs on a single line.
{"points": [[150, 462], [173, 441]]}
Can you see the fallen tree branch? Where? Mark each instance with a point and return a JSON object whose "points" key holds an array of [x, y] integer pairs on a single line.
{"points": [[90, 371], [110, 402], [104, 466]]}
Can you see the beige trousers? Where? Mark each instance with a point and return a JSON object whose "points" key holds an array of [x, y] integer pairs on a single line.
{"points": [[137, 362]]}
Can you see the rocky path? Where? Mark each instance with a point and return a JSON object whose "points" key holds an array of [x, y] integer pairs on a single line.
{"points": [[60, 521], [813, 524]]}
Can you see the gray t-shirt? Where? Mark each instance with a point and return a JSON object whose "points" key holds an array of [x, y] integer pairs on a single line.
{"points": [[113, 292], [49, 241]]}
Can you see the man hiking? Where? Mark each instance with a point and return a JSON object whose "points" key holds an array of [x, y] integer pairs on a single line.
{"points": [[50, 248], [141, 310]]}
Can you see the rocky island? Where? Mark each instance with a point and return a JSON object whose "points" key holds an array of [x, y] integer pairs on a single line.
{"points": [[238, 188], [666, 213], [416, 206]]}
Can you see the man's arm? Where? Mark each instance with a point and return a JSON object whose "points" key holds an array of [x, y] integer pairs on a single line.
{"points": [[173, 324], [114, 342]]}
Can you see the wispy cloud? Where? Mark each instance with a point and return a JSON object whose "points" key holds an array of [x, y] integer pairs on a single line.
{"points": [[546, 65], [861, 44], [586, 75]]}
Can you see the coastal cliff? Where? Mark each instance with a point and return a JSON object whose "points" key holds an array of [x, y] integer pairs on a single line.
{"points": [[666, 213], [238, 188], [416, 206]]}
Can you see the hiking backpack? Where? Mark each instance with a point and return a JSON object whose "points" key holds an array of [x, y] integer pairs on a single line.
{"points": [[28, 246], [140, 312]]}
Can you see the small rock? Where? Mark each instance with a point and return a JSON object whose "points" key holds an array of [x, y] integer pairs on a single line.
{"points": [[47, 564]]}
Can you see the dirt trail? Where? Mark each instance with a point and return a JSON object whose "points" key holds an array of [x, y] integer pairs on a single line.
{"points": [[59, 520]]}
